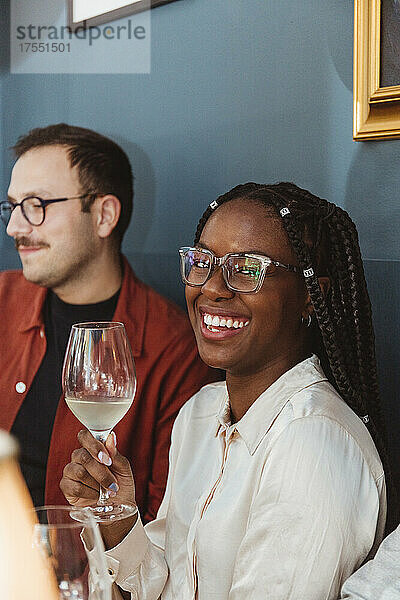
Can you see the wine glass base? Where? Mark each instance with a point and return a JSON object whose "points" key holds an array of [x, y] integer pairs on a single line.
{"points": [[108, 513]]}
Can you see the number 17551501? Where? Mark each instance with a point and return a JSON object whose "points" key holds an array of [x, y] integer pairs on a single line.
{"points": [[45, 47]]}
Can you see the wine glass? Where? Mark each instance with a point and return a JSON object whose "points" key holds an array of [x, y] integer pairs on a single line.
{"points": [[72, 552], [99, 382]]}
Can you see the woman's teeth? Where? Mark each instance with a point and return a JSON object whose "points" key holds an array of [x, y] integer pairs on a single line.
{"points": [[212, 321]]}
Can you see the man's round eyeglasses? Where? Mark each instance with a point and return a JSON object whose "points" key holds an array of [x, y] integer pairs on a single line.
{"points": [[32, 207], [242, 272]]}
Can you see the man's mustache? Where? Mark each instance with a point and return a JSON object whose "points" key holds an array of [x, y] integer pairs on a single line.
{"points": [[26, 242]]}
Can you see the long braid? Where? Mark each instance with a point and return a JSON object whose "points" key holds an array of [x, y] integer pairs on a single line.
{"points": [[325, 242], [335, 338]]}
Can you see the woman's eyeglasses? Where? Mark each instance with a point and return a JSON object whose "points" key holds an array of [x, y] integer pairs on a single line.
{"points": [[242, 272]]}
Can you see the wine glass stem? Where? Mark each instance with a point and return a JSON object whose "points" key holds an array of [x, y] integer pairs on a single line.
{"points": [[104, 494]]}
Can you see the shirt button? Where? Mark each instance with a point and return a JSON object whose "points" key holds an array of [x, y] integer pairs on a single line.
{"points": [[110, 572], [20, 387]]}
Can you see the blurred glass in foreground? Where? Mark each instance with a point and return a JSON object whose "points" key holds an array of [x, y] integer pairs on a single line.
{"points": [[22, 572]]}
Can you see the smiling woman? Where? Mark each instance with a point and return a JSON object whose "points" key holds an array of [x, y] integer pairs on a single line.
{"points": [[274, 339], [275, 486]]}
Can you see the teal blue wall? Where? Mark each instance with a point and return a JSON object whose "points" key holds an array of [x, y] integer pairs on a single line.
{"points": [[4, 67], [238, 91]]}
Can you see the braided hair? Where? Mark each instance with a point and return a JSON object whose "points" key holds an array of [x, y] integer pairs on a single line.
{"points": [[325, 242]]}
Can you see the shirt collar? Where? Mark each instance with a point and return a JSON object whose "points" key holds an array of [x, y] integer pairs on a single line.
{"points": [[259, 418], [224, 414]]}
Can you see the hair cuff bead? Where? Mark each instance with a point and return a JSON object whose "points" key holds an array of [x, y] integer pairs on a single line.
{"points": [[365, 419], [284, 211], [213, 205], [308, 272]]}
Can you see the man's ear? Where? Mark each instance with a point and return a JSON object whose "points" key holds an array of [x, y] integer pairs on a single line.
{"points": [[108, 210]]}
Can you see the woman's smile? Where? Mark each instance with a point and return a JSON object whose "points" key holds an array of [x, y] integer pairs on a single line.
{"points": [[219, 325]]}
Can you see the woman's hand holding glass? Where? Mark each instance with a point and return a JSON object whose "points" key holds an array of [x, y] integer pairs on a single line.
{"points": [[94, 465]]}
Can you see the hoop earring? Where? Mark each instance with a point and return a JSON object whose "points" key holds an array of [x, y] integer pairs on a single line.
{"points": [[308, 322]]}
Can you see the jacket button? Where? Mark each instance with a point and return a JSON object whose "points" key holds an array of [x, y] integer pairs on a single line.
{"points": [[20, 387], [110, 572]]}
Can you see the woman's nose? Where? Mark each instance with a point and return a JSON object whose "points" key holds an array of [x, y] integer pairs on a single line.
{"points": [[215, 287]]}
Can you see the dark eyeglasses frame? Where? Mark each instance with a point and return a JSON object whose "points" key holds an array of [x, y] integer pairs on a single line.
{"points": [[43, 204], [220, 262]]}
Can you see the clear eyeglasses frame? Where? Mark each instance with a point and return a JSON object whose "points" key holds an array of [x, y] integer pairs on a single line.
{"points": [[242, 272], [33, 208]]}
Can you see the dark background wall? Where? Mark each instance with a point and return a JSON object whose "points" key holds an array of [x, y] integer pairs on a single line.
{"points": [[238, 91]]}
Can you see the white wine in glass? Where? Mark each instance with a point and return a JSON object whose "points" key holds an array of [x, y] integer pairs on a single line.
{"points": [[99, 382]]}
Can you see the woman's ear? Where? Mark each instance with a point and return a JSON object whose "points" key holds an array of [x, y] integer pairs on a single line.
{"points": [[325, 285], [108, 212]]}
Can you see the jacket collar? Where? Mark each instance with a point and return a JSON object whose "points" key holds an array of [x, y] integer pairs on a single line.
{"points": [[33, 318], [261, 415], [131, 308]]}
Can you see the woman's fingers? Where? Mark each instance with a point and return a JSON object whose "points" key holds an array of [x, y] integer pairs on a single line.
{"points": [[91, 467], [95, 448], [78, 487], [111, 444], [96, 465], [105, 454], [77, 472], [82, 478]]}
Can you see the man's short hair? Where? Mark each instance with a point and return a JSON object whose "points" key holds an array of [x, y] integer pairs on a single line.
{"points": [[103, 167]]}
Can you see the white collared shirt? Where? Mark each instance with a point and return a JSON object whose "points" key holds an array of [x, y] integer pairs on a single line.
{"points": [[283, 505], [379, 579]]}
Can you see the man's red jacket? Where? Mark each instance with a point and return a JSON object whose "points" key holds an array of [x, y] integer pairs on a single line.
{"points": [[168, 368]]}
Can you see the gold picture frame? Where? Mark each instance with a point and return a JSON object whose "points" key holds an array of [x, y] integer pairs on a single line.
{"points": [[376, 109]]}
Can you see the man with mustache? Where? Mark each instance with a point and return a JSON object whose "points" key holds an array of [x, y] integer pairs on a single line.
{"points": [[69, 204]]}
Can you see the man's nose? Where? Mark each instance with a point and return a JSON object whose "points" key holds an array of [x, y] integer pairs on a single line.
{"points": [[17, 224]]}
